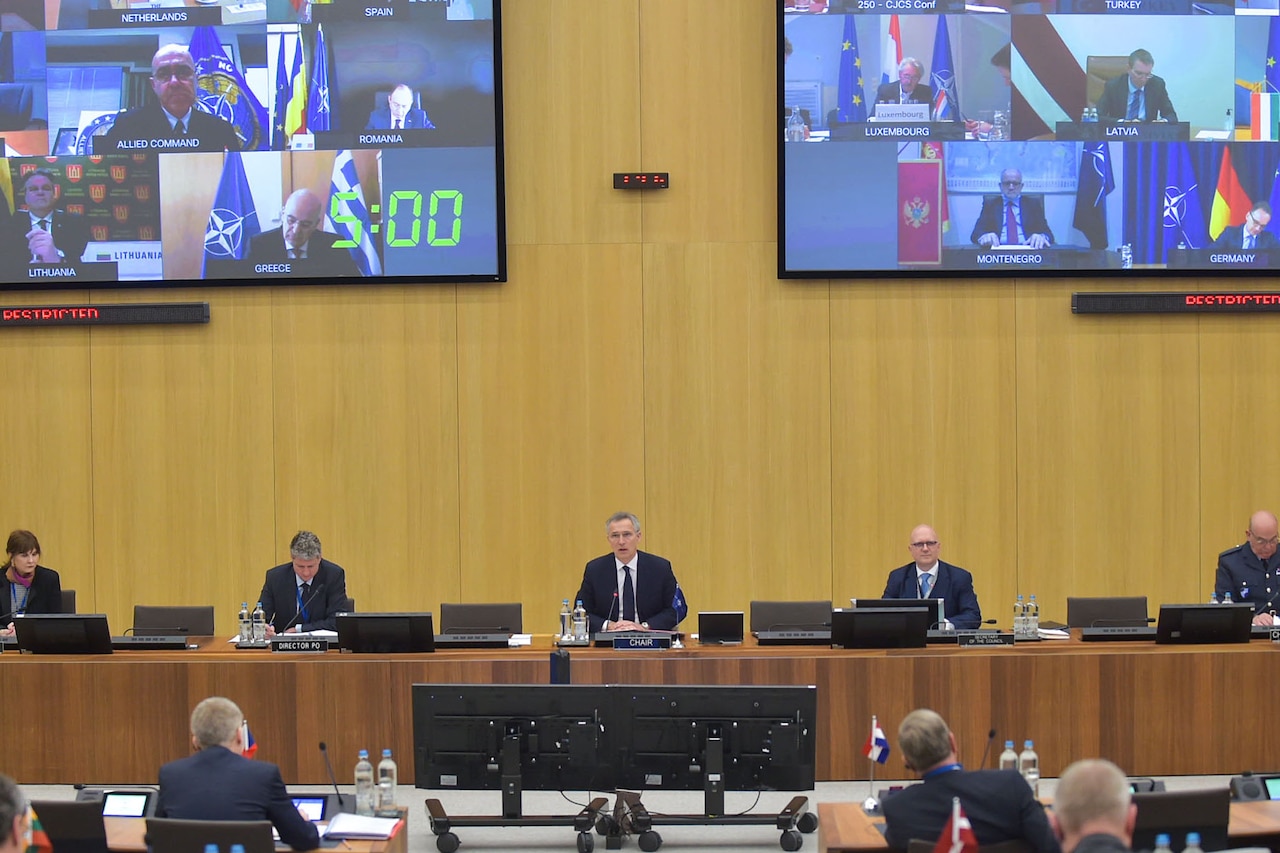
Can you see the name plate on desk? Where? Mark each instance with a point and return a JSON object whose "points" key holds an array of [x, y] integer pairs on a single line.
{"points": [[1275, 635], [967, 640], [307, 645], [641, 642], [862, 131], [1129, 131]]}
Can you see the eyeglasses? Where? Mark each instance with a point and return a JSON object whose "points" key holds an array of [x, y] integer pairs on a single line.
{"points": [[169, 72], [1258, 540], [1011, 183], [621, 536], [932, 543], [1142, 75]]}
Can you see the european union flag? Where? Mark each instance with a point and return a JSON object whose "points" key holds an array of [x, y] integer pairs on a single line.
{"points": [[1096, 182], [233, 221], [319, 108], [942, 76], [1184, 222], [281, 104], [678, 602], [851, 101], [1273, 57], [221, 90]]}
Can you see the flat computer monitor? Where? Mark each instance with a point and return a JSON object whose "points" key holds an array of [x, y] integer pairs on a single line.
{"points": [[63, 633], [383, 633], [489, 618], [880, 628], [720, 626], [1204, 623], [936, 607]]}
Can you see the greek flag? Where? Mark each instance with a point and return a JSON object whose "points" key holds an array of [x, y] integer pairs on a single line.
{"points": [[221, 90], [348, 217]]}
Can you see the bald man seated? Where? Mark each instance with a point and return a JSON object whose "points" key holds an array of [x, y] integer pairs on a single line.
{"points": [[1093, 811], [928, 577], [1248, 571]]}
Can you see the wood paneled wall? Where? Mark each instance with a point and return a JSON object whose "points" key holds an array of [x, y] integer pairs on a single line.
{"points": [[779, 439]]}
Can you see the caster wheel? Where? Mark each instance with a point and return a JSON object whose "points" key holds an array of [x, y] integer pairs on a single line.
{"points": [[447, 843], [649, 841], [606, 825], [791, 840], [586, 842], [807, 823]]}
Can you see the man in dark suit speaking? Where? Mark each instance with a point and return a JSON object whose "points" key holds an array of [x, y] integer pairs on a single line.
{"points": [[1138, 95], [1010, 219], [628, 590], [1253, 234], [399, 114], [908, 89], [172, 122], [219, 783], [42, 234], [299, 240], [999, 804], [305, 594], [929, 577]]}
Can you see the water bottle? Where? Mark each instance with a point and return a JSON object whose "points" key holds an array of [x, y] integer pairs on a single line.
{"points": [[1029, 766], [259, 624], [387, 786], [1162, 843], [795, 126], [1213, 597], [1229, 123], [1019, 619], [1193, 843], [580, 622], [246, 627], [1226, 597], [1008, 758], [364, 785], [1033, 618], [566, 620], [1126, 256]]}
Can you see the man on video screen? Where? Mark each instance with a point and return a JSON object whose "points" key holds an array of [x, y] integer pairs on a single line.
{"points": [[1138, 95], [172, 121], [1012, 219], [299, 240], [399, 114], [42, 234]]}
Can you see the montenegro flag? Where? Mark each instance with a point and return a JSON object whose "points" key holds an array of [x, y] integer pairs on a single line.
{"points": [[1230, 204]]}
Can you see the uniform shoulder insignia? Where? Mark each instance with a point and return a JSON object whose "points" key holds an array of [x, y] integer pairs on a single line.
{"points": [[1232, 550]]}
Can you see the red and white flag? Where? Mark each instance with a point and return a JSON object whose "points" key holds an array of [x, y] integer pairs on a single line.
{"points": [[957, 836]]}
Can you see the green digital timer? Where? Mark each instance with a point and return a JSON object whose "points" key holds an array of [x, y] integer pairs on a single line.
{"points": [[402, 203]]}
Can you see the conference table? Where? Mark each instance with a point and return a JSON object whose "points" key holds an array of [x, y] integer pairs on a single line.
{"points": [[1154, 710], [128, 835], [846, 828]]}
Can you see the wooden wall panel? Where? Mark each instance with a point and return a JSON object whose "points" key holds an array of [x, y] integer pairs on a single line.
{"points": [[922, 426], [736, 424], [1108, 452]]}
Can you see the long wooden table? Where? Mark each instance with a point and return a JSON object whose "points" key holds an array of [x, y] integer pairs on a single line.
{"points": [[128, 835], [846, 828], [1154, 710]]}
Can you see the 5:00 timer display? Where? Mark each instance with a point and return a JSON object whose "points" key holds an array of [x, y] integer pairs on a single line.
{"points": [[444, 212]]}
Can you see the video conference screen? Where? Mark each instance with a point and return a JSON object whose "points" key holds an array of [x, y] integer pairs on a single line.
{"points": [[1007, 137], [160, 142]]}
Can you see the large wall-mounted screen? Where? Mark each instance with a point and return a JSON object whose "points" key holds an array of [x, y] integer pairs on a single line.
{"points": [[159, 142], [933, 137]]}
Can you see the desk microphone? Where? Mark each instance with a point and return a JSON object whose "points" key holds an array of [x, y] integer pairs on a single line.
{"points": [[612, 606], [986, 750], [315, 590], [799, 626], [334, 779], [1122, 623], [479, 629]]}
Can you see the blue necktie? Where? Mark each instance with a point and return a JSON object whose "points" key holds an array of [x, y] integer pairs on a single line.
{"points": [[926, 584], [304, 615], [1135, 105], [628, 596]]}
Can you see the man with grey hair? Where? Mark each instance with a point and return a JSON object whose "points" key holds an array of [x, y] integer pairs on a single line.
{"points": [[998, 803], [305, 594], [219, 783], [13, 812], [1093, 811], [628, 590], [908, 89], [173, 121]]}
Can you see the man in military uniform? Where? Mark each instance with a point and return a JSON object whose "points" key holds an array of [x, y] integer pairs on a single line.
{"points": [[1251, 572]]}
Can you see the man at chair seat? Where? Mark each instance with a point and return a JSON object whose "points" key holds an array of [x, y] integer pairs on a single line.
{"points": [[1093, 811], [998, 803], [219, 783]]}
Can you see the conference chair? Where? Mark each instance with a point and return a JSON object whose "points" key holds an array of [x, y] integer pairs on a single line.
{"points": [[1016, 845], [73, 826], [16, 102], [1205, 811], [170, 835], [152, 621], [1114, 611], [504, 618], [790, 615], [68, 601], [1097, 71]]}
